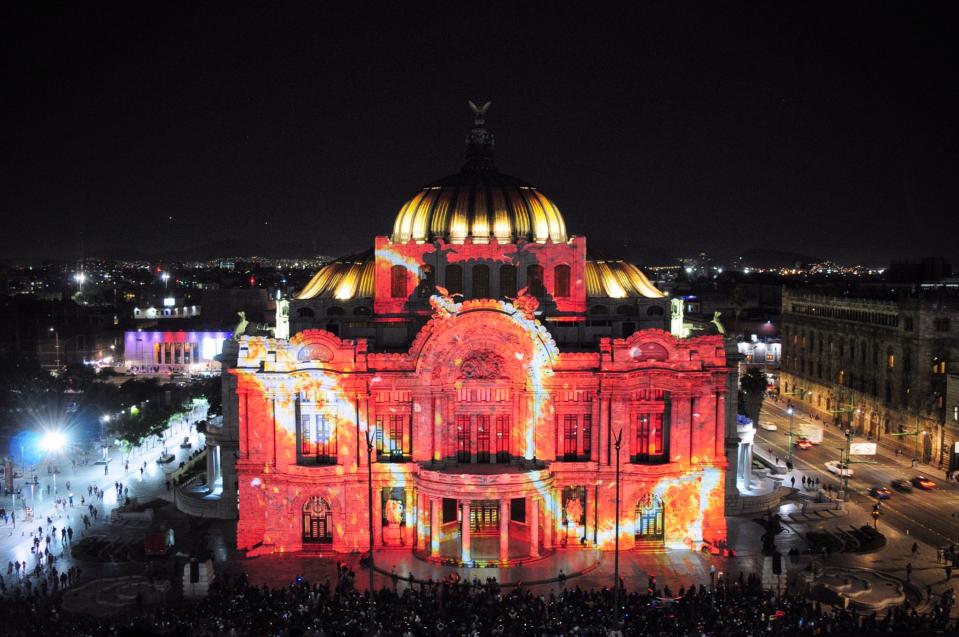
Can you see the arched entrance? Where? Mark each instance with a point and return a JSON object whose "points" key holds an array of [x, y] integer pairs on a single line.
{"points": [[650, 520], [317, 521]]}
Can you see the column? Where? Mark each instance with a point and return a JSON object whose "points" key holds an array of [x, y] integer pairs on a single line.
{"points": [[504, 530], [602, 423], [377, 517], [465, 531], [435, 525], [210, 468], [409, 509], [419, 540], [534, 528], [548, 520], [437, 425]]}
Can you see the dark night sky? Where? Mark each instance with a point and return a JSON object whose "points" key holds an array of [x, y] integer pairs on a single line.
{"points": [[821, 129]]}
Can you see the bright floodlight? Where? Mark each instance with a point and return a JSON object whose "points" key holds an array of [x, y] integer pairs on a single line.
{"points": [[53, 441], [79, 277]]}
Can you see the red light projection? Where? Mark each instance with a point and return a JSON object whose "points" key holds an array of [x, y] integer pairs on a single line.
{"points": [[489, 443]]}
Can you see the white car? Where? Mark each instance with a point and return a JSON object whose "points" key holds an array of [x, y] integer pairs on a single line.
{"points": [[836, 468], [768, 426]]}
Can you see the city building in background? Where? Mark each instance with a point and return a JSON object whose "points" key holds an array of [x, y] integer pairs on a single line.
{"points": [[168, 352], [877, 363], [476, 371]]}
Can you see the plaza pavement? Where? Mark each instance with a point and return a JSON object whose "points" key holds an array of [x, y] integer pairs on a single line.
{"points": [[586, 569]]}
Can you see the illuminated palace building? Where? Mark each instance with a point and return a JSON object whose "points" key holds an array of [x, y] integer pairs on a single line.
{"points": [[483, 362]]}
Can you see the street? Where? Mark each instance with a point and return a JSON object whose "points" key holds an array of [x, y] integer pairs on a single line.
{"points": [[931, 517]]}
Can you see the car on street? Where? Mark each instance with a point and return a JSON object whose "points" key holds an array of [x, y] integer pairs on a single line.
{"points": [[840, 469], [902, 485], [768, 426], [880, 493], [803, 443], [924, 483]]}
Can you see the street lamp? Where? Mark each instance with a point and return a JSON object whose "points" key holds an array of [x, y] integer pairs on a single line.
{"points": [[617, 440], [789, 451], [53, 442], [56, 336], [369, 476], [103, 443], [79, 277], [165, 277]]}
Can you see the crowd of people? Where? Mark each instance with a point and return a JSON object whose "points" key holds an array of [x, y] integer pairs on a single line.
{"points": [[237, 608]]}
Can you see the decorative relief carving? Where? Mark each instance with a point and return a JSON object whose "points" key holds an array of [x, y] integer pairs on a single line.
{"points": [[482, 364]]}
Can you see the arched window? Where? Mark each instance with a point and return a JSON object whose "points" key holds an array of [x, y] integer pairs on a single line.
{"points": [[398, 282], [655, 310], [507, 281], [561, 281], [650, 525], [317, 521], [599, 309], [480, 282], [305, 312], [454, 279], [427, 281], [534, 280], [335, 311]]}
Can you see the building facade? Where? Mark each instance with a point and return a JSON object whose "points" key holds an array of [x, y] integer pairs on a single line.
{"points": [[473, 380], [877, 365]]}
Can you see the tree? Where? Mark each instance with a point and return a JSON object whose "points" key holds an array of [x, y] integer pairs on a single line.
{"points": [[738, 298], [752, 387]]}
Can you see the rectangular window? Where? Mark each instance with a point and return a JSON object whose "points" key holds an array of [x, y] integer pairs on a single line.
{"points": [[502, 438], [480, 282], [454, 279], [587, 436], [325, 438], [482, 438], [398, 282], [561, 283], [306, 439], [507, 281], [463, 446], [570, 431], [392, 437], [534, 280], [649, 436]]}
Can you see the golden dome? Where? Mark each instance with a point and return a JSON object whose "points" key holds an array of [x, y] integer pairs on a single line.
{"points": [[481, 205], [617, 279], [344, 279]]}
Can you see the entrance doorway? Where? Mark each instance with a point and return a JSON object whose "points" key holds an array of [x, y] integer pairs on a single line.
{"points": [[650, 517], [317, 521], [484, 517]]}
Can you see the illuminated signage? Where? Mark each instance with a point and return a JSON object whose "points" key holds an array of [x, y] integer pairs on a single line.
{"points": [[862, 449], [169, 301]]}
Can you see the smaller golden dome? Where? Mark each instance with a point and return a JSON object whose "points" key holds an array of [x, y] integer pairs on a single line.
{"points": [[344, 279], [617, 279]]}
